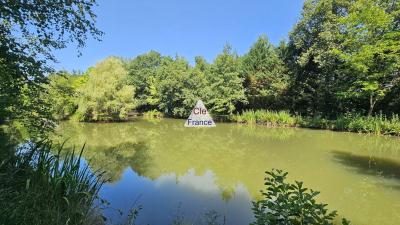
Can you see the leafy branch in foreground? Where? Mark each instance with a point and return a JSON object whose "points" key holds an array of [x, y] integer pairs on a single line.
{"points": [[30, 31], [291, 204]]}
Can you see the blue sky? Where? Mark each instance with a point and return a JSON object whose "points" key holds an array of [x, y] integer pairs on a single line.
{"points": [[184, 27]]}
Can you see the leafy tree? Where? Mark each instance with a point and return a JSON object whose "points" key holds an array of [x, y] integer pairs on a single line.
{"points": [[391, 103], [264, 74], [142, 72], [106, 96], [371, 50], [61, 95], [316, 71], [225, 84], [178, 87], [201, 63], [29, 31]]}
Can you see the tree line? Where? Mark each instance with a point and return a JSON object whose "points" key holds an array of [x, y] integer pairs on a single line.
{"points": [[341, 57]]}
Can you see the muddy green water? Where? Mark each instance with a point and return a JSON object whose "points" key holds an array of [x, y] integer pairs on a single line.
{"points": [[176, 172]]}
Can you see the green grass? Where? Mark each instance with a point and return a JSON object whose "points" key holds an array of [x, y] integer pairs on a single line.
{"points": [[380, 124], [38, 187]]}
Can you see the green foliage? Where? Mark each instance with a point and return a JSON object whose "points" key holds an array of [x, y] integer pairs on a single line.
{"points": [[166, 84], [315, 69], [344, 56], [62, 94], [377, 125], [35, 186], [38, 187], [265, 76], [317, 122], [290, 203], [225, 85], [173, 86], [153, 114], [178, 87], [106, 95], [265, 117], [380, 125], [371, 50], [29, 33], [142, 72], [31, 114]]}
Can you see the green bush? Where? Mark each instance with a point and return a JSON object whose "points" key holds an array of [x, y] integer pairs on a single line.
{"points": [[291, 204]]}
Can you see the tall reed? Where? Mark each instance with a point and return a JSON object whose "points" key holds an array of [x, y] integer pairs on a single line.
{"points": [[265, 117], [153, 114], [379, 124], [39, 187]]}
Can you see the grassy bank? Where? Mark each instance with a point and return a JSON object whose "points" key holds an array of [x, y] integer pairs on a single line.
{"points": [[380, 125], [38, 187], [265, 117]]}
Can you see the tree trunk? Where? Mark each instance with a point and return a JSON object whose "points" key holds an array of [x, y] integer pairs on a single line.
{"points": [[371, 105]]}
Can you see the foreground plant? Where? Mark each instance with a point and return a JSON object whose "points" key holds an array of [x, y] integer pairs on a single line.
{"points": [[38, 187], [291, 204]]}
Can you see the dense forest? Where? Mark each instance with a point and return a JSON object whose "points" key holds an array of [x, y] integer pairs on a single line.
{"points": [[341, 57]]}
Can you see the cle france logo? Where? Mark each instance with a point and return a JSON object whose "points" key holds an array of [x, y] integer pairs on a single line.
{"points": [[199, 117]]}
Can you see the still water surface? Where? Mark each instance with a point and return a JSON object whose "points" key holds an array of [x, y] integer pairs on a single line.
{"points": [[175, 172]]}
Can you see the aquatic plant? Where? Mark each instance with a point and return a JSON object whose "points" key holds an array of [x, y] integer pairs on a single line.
{"points": [[153, 114], [39, 187], [379, 124], [290, 203], [265, 117]]}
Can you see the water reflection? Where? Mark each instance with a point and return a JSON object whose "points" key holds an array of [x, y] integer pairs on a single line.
{"points": [[170, 197], [223, 168], [369, 165]]}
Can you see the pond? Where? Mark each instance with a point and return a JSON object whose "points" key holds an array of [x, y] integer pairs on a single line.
{"points": [[178, 173]]}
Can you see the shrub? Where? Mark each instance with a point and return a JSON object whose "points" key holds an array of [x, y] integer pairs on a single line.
{"points": [[291, 204]]}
